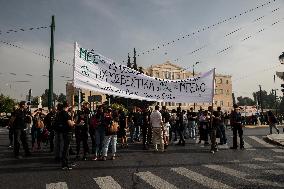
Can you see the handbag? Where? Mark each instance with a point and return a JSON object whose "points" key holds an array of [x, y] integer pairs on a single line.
{"points": [[39, 124], [113, 127]]}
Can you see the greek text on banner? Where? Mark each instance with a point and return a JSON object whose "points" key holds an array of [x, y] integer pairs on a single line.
{"points": [[95, 72]]}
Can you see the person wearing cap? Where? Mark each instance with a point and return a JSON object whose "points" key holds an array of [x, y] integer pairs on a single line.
{"points": [[236, 123], [19, 124]]}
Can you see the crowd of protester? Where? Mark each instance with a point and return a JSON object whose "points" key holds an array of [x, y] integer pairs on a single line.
{"points": [[63, 126]]}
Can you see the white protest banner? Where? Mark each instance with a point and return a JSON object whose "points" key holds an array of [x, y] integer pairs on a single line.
{"points": [[95, 72]]}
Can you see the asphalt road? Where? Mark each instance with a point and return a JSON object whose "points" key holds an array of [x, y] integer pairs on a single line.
{"points": [[260, 165]]}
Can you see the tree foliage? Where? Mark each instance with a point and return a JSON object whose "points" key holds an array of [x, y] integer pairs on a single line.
{"points": [[6, 104], [245, 101]]}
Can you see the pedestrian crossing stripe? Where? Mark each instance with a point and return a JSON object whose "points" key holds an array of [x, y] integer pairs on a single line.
{"points": [[275, 172], [155, 181], [203, 180], [277, 150], [58, 185], [241, 175], [262, 159], [107, 183], [279, 157], [252, 166]]}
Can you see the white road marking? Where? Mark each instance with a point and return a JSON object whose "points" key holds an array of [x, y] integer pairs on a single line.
{"points": [[227, 170], [275, 172], [252, 166], [58, 185], [242, 175], [279, 157], [266, 144], [155, 181], [262, 159], [107, 183], [203, 180]]}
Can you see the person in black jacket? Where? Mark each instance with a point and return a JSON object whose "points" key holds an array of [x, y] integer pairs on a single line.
{"points": [[180, 126], [81, 130], [236, 123], [19, 124], [49, 124]]}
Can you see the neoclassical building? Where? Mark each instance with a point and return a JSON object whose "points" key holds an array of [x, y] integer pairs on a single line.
{"points": [[223, 87]]}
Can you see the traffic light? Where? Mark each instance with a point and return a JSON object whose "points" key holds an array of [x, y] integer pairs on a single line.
{"points": [[82, 97], [282, 88]]}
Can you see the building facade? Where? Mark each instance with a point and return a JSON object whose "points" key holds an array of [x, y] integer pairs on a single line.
{"points": [[223, 85], [71, 92]]}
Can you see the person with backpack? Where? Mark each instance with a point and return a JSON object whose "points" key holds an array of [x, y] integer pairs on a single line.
{"points": [[272, 121], [63, 134]]}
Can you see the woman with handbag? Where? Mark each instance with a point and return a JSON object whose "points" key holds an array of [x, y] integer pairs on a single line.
{"points": [[111, 128]]}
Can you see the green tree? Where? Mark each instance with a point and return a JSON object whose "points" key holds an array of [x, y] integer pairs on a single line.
{"points": [[44, 98], [61, 98], [245, 101], [6, 104]]}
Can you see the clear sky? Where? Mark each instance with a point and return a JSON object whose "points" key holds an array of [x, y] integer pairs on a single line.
{"points": [[115, 27]]}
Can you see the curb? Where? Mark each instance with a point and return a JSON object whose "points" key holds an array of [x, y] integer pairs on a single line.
{"points": [[270, 140]]}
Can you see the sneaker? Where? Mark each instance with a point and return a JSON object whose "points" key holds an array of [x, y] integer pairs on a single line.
{"points": [[113, 158], [10, 146], [212, 151], [94, 158], [84, 158], [216, 150], [73, 164], [104, 158]]}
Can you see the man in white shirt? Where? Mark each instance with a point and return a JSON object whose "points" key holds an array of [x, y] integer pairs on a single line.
{"points": [[157, 129]]}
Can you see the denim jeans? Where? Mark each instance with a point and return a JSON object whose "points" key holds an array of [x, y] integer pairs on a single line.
{"points": [[107, 140], [192, 129], [99, 136], [58, 144]]}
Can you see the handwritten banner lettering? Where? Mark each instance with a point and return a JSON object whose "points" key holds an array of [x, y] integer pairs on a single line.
{"points": [[95, 72]]}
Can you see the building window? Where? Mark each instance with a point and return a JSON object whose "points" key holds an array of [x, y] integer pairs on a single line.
{"points": [[227, 81], [157, 74], [221, 91], [227, 92], [178, 76], [216, 91], [221, 103], [168, 75], [216, 102], [228, 104], [220, 81]]}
